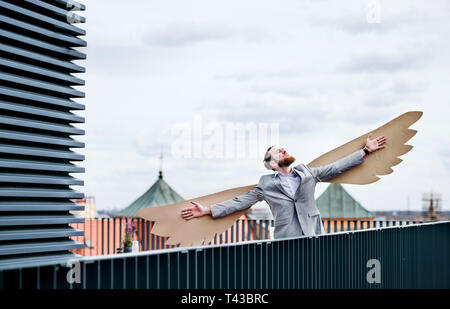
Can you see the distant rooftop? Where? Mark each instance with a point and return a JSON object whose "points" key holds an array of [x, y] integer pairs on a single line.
{"points": [[336, 202]]}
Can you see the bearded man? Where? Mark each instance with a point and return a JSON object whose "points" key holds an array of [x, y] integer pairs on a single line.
{"points": [[289, 192]]}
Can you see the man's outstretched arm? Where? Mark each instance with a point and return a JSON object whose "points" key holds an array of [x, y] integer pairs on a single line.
{"points": [[222, 209], [329, 171], [243, 201]]}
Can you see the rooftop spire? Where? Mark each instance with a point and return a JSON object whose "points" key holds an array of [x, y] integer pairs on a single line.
{"points": [[160, 164]]}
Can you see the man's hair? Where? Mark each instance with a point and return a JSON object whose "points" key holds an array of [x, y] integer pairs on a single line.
{"points": [[267, 158]]}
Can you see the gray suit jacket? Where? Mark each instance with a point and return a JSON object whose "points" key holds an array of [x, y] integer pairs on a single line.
{"points": [[293, 216]]}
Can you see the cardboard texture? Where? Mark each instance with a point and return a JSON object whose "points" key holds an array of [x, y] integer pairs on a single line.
{"points": [[379, 162], [199, 231], [169, 222]]}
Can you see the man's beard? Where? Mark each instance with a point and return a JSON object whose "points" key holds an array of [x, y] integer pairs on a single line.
{"points": [[286, 161]]}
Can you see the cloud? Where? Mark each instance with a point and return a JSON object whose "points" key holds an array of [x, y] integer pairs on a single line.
{"points": [[152, 142], [118, 61], [354, 24], [315, 67], [259, 75], [445, 155], [281, 111], [373, 62], [392, 17], [190, 33], [321, 98], [183, 34]]}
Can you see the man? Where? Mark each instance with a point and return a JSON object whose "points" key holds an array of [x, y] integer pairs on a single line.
{"points": [[289, 191]]}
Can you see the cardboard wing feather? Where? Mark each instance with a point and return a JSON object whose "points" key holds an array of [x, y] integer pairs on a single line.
{"points": [[198, 231], [380, 162], [169, 222]]}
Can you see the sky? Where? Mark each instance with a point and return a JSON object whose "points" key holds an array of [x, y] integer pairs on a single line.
{"points": [[311, 74]]}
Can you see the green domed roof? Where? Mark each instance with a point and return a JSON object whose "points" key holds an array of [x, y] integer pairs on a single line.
{"points": [[335, 202], [159, 194]]}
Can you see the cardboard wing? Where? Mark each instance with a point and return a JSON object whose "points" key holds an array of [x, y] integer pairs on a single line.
{"points": [[170, 223], [379, 162]]}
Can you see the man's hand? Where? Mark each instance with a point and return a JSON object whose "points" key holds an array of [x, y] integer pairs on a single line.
{"points": [[196, 211], [376, 143]]}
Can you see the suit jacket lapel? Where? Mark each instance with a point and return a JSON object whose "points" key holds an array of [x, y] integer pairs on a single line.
{"points": [[302, 176], [277, 183]]}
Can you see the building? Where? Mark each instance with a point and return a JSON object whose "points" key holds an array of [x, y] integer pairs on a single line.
{"points": [[336, 203], [340, 211], [38, 118], [89, 212]]}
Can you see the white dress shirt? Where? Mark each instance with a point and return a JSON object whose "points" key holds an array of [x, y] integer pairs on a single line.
{"points": [[290, 182]]}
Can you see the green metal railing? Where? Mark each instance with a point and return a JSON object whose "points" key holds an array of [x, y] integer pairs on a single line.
{"points": [[409, 256], [103, 236]]}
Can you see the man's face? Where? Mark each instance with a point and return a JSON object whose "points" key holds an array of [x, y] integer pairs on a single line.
{"points": [[281, 156]]}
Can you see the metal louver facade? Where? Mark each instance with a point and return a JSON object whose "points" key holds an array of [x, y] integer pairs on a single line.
{"points": [[38, 41]]}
